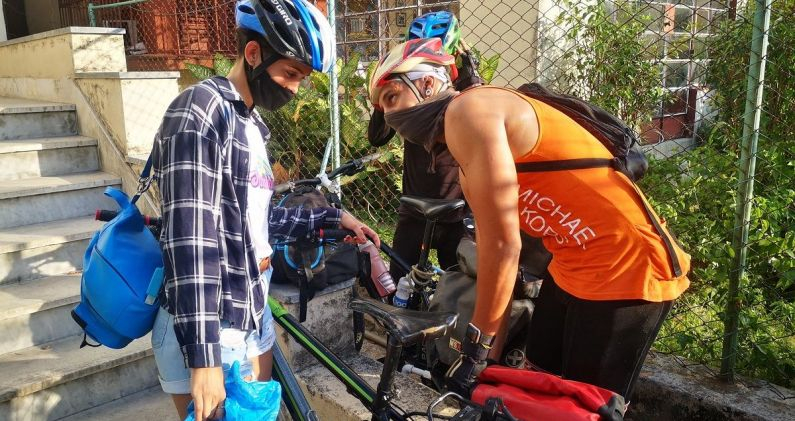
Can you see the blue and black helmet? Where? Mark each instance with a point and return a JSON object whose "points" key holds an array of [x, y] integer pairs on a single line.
{"points": [[443, 25], [293, 28]]}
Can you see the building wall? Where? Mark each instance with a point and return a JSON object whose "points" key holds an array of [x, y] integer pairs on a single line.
{"points": [[42, 15], [3, 35], [507, 28]]}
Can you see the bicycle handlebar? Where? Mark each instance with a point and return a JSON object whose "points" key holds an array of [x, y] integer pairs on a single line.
{"points": [[334, 234], [105, 215], [321, 234], [351, 167]]}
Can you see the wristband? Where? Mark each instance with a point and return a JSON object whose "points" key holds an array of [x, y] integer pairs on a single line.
{"points": [[474, 334], [476, 345]]}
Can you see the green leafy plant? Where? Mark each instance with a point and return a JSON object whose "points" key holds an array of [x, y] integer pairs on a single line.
{"points": [[487, 66], [608, 63], [221, 67], [696, 192]]}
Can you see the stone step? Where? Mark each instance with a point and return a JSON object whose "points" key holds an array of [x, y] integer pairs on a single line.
{"points": [[150, 404], [51, 248], [47, 156], [58, 379], [36, 312], [325, 393], [25, 119], [42, 199]]}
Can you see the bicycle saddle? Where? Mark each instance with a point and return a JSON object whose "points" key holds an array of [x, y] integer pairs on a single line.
{"points": [[407, 326], [432, 208]]}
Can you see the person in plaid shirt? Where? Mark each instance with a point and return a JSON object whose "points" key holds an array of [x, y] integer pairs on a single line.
{"points": [[212, 168]]}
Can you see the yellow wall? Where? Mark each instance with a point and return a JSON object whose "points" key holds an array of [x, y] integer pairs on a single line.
{"points": [[61, 53]]}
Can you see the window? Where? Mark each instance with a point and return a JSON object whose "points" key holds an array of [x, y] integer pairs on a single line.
{"points": [[357, 25], [676, 35]]}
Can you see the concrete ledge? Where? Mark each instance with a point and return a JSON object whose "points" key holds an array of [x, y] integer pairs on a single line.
{"points": [[81, 30], [332, 402], [127, 75], [668, 391], [669, 148], [289, 294], [328, 318]]}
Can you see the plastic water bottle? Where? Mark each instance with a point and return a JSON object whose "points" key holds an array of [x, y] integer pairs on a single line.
{"points": [[404, 289], [381, 278]]}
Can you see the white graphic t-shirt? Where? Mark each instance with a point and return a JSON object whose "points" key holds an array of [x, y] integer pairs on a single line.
{"points": [[260, 190]]}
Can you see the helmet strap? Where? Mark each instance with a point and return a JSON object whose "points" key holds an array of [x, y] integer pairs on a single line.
{"points": [[412, 86]]}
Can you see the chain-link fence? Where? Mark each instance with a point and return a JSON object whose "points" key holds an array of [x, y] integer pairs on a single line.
{"points": [[684, 73]]}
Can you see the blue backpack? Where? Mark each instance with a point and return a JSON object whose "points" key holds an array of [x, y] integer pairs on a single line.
{"points": [[122, 275]]}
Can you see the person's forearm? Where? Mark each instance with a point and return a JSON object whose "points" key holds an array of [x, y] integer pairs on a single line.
{"points": [[289, 223], [497, 264]]}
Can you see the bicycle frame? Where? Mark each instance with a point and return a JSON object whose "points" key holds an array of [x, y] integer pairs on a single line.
{"points": [[355, 385], [293, 397]]}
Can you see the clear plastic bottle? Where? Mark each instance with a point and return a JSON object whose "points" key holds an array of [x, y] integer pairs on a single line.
{"points": [[404, 289], [378, 271]]}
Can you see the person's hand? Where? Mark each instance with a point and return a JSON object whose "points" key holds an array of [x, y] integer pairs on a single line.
{"points": [[207, 390], [462, 376], [361, 230]]}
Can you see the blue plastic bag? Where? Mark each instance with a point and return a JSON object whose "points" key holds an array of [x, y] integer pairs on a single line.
{"points": [[247, 401]]}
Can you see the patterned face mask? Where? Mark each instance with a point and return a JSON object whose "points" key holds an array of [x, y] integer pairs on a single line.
{"points": [[422, 124]]}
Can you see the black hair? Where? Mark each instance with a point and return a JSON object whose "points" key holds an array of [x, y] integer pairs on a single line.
{"points": [[244, 36]]}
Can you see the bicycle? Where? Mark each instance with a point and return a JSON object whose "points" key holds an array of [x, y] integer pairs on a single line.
{"points": [[423, 277], [429, 360], [405, 328]]}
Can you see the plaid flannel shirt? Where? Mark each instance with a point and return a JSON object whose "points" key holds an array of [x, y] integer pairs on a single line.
{"points": [[201, 163]]}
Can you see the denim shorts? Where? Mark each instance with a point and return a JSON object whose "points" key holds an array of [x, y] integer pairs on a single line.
{"points": [[236, 345]]}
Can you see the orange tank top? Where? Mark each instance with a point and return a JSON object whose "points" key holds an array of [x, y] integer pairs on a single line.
{"points": [[603, 243]]}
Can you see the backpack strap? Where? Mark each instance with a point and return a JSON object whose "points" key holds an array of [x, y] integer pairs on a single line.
{"points": [[304, 280], [86, 343], [565, 164], [662, 232], [144, 181], [572, 164]]}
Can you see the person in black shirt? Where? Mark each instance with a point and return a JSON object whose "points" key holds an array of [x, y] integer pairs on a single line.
{"points": [[431, 175]]}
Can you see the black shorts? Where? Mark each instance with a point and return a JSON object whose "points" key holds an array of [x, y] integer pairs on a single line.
{"points": [[602, 343]]}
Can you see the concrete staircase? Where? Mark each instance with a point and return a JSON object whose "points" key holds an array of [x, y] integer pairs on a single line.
{"points": [[50, 185]]}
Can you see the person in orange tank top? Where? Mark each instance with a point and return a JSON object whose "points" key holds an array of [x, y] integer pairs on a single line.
{"points": [[614, 279]]}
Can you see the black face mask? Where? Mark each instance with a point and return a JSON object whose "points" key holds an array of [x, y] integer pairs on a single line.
{"points": [[422, 124], [264, 90]]}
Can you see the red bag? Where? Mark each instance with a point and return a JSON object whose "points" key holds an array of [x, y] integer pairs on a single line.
{"points": [[540, 396]]}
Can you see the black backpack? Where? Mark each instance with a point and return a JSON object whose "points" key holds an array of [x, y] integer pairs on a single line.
{"points": [[313, 267], [619, 139]]}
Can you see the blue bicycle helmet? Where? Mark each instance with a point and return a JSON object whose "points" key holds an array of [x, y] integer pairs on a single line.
{"points": [[443, 25], [293, 28]]}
